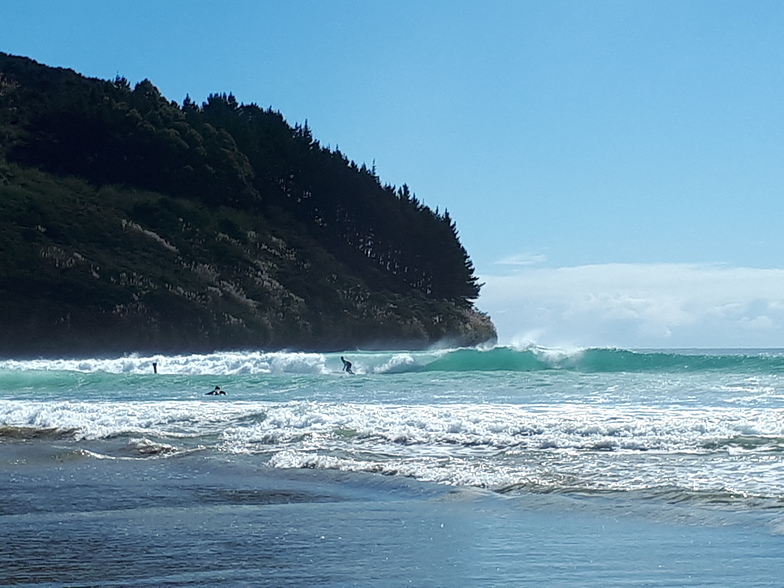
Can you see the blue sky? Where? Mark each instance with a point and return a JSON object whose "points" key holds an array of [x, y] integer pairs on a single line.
{"points": [[616, 169]]}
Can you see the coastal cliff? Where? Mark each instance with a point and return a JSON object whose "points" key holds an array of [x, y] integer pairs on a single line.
{"points": [[130, 223]]}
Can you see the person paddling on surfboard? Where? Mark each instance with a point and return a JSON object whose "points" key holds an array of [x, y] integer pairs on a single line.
{"points": [[216, 392], [346, 365]]}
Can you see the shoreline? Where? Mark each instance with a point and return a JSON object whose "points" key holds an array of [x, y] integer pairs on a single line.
{"points": [[325, 528]]}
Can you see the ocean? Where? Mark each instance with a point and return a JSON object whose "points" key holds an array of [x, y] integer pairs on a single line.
{"points": [[449, 467]]}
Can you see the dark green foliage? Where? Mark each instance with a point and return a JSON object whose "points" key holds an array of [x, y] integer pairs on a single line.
{"points": [[129, 222]]}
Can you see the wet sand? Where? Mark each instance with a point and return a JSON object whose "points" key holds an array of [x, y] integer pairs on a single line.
{"points": [[198, 521]]}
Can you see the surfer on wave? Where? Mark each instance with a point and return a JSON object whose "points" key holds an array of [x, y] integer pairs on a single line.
{"points": [[346, 365]]}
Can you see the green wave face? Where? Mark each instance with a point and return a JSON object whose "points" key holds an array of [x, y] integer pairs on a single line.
{"points": [[97, 375], [605, 360]]}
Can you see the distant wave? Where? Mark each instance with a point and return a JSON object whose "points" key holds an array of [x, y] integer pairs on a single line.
{"points": [[528, 359], [221, 363], [604, 360]]}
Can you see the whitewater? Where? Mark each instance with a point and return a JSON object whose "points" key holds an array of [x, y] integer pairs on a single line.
{"points": [[438, 467]]}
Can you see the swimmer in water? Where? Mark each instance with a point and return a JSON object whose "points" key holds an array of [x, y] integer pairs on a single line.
{"points": [[216, 392]]}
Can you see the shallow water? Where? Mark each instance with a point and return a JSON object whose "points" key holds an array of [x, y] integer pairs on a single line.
{"points": [[202, 521]]}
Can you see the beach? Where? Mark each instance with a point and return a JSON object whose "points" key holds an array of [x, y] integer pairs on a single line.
{"points": [[192, 523]]}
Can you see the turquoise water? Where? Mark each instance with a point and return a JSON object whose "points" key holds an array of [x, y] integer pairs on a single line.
{"points": [[497, 467]]}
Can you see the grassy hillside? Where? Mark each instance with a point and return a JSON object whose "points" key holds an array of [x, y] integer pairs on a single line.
{"points": [[129, 223]]}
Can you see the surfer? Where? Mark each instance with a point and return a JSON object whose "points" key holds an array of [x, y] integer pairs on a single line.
{"points": [[346, 365], [155, 367], [216, 392]]}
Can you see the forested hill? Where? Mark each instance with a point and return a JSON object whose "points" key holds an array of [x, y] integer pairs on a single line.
{"points": [[129, 222]]}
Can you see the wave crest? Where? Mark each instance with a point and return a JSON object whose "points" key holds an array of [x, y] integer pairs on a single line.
{"points": [[500, 358]]}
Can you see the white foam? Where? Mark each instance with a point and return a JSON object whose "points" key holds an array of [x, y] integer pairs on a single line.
{"points": [[399, 362], [225, 363], [90, 420], [571, 427], [508, 427], [490, 445]]}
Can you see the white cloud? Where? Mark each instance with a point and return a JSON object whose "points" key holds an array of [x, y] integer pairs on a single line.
{"points": [[522, 259], [639, 305]]}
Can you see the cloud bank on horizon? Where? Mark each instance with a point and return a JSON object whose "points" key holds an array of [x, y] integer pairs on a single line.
{"points": [[656, 305]]}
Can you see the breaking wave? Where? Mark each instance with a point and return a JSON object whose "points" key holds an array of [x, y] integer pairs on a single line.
{"points": [[528, 359]]}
